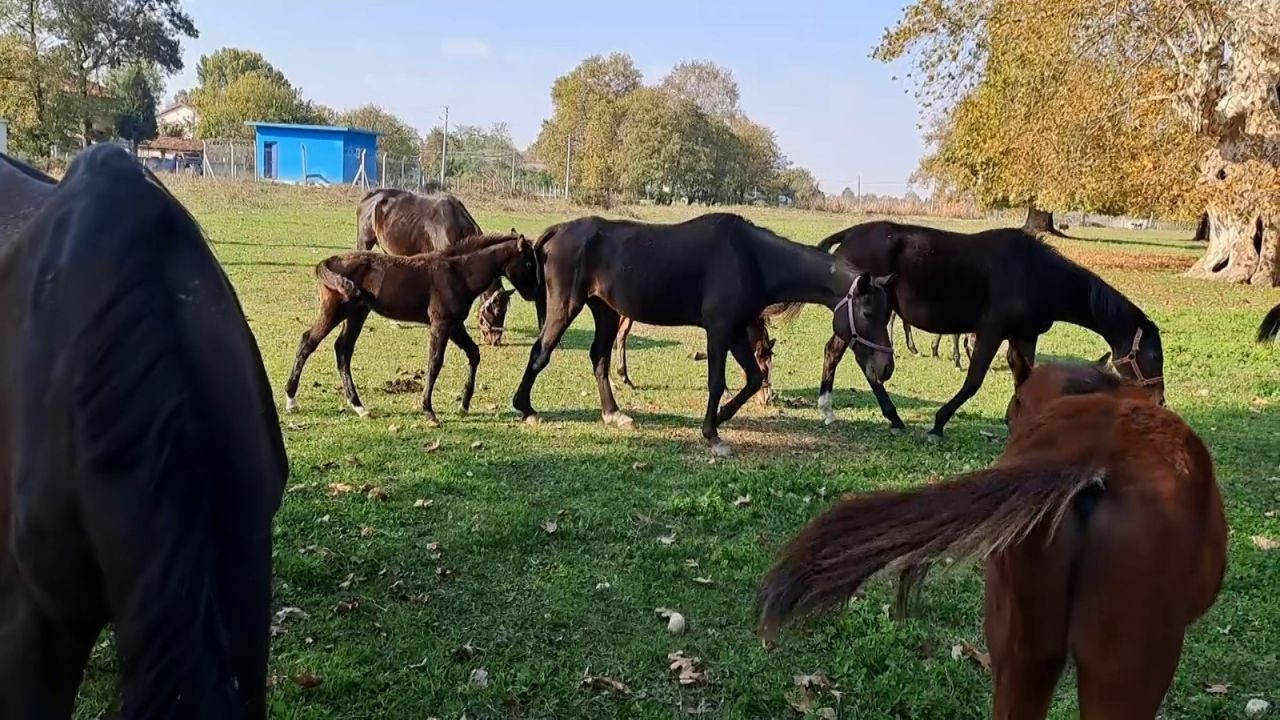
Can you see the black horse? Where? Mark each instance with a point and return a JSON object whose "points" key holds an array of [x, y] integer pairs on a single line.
{"points": [[1269, 330], [718, 272], [141, 461], [999, 284]]}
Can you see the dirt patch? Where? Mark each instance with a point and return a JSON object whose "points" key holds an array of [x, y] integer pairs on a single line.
{"points": [[1119, 260], [406, 383]]}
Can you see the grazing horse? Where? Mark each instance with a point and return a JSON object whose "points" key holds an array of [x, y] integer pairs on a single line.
{"points": [[718, 272], [406, 223], [757, 335], [141, 461], [1104, 537], [433, 288], [1000, 284], [1269, 330]]}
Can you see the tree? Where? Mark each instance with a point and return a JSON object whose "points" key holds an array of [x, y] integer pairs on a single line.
{"points": [[395, 137], [1133, 106], [799, 185], [136, 109], [217, 70], [711, 87], [238, 86]]}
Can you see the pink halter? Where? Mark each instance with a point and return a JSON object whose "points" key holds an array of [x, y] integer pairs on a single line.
{"points": [[847, 302]]}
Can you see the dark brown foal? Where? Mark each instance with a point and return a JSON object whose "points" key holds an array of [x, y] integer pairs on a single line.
{"points": [[757, 335]]}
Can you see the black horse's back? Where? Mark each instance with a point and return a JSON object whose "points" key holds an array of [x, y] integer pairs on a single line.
{"points": [[146, 401]]}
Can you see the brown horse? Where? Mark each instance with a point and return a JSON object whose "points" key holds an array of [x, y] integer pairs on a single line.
{"points": [[757, 335], [1104, 533], [718, 272], [434, 288], [141, 461], [1269, 330], [406, 223], [1000, 284]]}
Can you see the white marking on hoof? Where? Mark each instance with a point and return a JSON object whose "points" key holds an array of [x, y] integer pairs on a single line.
{"points": [[620, 420], [291, 404], [721, 449], [824, 406], [933, 437], [360, 410], [897, 431], [531, 419]]}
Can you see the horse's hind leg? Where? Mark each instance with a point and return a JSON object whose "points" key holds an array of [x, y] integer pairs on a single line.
{"points": [[830, 360], [343, 348], [741, 349], [330, 315], [937, 343], [955, 352], [41, 661], [601, 348], [468, 346], [982, 356], [762, 350], [718, 343], [910, 340], [624, 332]]}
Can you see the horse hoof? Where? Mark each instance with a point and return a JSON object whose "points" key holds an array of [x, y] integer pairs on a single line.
{"points": [[619, 420], [360, 410], [290, 404], [531, 419], [433, 421], [828, 418], [933, 436], [897, 430], [721, 449]]}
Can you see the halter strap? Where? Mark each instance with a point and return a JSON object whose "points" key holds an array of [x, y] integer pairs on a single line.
{"points": [[856, 339], [1132, 361]]}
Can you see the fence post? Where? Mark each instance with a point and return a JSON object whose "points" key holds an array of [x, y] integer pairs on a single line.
{"points": [[382, 176], [304, 163], [513, 170]]}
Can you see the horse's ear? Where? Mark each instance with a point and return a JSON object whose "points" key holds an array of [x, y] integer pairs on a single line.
{"points": [[1020, 366], [885, 281], [862, 283], [1102, 361], [772, 342]]}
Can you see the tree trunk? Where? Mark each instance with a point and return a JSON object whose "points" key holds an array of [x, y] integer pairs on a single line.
{"points": [[1202, 229], [1231, 255], [1243, 235], [1039, 221], [1267, 274]]}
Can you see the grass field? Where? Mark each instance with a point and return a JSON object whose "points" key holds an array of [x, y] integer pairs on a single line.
{"points": [[420, 555]]}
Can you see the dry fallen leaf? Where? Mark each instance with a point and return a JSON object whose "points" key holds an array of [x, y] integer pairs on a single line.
{"points": [[742, 500], [367, 532], [306, 680], [433, 547], [479, 678], [685, 668], [466, 651], [704, 581], [667, 539], [377, 494], [675, 621], [826, 713], [1262, 542], [690, 562], [973, 653], [640, 466], [603, 682], [393, 429], [477, 445], [346, 607], [422, 503], [550, 526], [432, 447], [817, 680], [1217, 688], [340, 488], [801, 700]]}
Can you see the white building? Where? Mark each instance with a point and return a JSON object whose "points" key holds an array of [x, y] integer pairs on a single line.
{"points": [[179, 114]]}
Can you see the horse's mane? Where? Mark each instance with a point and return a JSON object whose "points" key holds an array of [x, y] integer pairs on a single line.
{"points": [[1089, 378], [1036, 255], [475, 243]]}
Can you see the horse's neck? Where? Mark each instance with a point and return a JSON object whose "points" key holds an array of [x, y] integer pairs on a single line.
{"points": [[795, 273], [482, 267], [1117, 321]]}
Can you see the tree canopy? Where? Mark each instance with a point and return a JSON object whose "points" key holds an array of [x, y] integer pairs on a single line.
{"points": [[395, 137], [238, 86]]}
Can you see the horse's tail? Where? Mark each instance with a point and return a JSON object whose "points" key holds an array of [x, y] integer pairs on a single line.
{"points": [[831, 241], [141, 354], [832, 557], [782, 312], [336, 281], [1269, 330]]}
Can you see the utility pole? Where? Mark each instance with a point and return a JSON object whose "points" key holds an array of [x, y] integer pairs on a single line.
{"points": [[513, 169], [444, 146]]}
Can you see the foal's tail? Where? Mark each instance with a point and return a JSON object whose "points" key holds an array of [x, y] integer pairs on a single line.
{"points": [[1269, 330], [336, 281], [832, 557], [782, 313]]}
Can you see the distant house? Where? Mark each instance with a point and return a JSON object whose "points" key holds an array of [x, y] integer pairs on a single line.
{"points": [[171, 154], [179, 115], [315, 154], [4, 135]]}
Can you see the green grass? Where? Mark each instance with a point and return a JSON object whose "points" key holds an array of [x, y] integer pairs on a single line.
{"points": [[545, 608]]}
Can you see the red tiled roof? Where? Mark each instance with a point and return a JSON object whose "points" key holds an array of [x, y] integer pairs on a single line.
{"points": [[173, 144]]}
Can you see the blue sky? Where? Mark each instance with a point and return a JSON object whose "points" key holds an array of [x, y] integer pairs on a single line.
{"points": [[803, 67]]}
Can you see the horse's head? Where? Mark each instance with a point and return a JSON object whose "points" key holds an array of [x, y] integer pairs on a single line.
{"points": [[493, 315], [522, 269], [861, 319], [1037, 387], [1143, 361]]}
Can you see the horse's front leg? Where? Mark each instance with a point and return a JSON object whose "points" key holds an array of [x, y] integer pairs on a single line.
{"points": [[440, 329], [830, 360], [983, 354], [718, 343]]}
